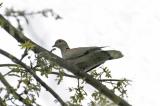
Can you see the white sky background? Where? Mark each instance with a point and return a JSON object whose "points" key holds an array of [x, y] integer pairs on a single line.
{"points": [[131, 26]]}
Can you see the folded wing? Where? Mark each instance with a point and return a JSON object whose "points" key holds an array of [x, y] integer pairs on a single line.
{"points": [[79, 52], [93, 59]]}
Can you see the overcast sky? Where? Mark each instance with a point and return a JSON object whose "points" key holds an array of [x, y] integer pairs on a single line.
{"points": [[131, 26]]}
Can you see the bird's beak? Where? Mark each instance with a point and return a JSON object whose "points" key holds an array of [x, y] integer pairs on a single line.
{"points": [[54, 46]]}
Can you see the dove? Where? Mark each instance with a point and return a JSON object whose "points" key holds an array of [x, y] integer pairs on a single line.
{"points": [[86, 58]]}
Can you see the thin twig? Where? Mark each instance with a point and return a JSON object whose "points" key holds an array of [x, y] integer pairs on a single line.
{"points": [[64, 74], [103, 80]]}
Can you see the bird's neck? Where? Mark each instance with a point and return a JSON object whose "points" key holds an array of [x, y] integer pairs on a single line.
{"points": [[64, 48]]}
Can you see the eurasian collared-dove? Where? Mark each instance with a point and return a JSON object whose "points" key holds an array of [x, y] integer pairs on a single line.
{"points": [[86, 58]]}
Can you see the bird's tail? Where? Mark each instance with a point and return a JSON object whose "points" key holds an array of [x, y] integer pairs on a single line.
{"points": [[113, 54]]}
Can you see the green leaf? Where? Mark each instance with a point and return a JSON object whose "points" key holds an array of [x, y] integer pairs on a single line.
{"points": [[27, 45]]}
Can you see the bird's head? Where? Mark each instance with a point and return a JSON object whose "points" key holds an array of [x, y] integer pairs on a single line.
{"points": [[61, 44]]}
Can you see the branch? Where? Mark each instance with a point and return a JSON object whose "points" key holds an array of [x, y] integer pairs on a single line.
{"points": [[21, 38], [2, 103], [103, 80], [56, 73], [11, 90], [23, 13], [8, 65], [66, 75], [28, 69]]}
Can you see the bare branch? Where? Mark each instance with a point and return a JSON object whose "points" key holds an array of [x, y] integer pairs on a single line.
{"points": [[8, 65]]}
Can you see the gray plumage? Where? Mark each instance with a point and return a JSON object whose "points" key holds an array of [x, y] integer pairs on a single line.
{"points": [[86, 58]]}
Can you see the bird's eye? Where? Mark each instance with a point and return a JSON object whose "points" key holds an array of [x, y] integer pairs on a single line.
{"points": [[60, 41]]}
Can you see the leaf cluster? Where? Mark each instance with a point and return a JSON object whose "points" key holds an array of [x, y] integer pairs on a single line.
{"points": [[25, 85]]}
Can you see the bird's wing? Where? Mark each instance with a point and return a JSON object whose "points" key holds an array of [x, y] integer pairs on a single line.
{"points": [[94, 59], [78, 52]]}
